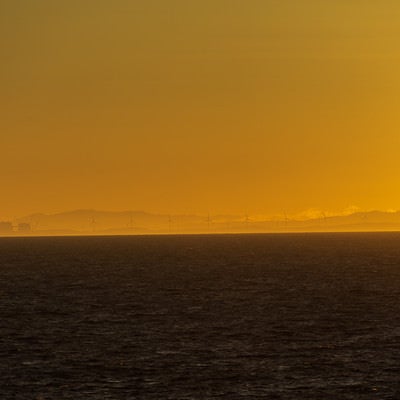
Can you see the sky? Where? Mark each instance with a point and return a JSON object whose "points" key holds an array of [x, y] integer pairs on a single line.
{"points": [[260, 107]]}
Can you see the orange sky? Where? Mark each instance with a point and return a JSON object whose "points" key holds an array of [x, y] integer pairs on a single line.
{"points": [[221, 106]]}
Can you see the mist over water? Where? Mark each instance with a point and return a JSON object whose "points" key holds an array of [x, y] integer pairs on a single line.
{"points": [[295, 316]]}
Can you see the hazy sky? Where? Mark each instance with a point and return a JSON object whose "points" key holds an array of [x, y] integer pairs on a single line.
{"points": [[227, 106]]}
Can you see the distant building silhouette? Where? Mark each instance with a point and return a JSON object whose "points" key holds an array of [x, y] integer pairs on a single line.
{"points": [[5, 227]]}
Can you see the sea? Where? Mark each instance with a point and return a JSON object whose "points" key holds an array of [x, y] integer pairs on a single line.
{"points": [[263, 316]]}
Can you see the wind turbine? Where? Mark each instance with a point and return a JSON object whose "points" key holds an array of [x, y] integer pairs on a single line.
{"points": [[169, 223], [209, 221], [35, 224], [247, 221], [130, 224], [93, 223], [286, 219]]}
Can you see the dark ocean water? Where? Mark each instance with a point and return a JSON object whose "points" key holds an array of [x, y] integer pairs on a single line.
{"points": [[302, 316]]}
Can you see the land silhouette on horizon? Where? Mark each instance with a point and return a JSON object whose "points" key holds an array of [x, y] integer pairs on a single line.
{"points": [[93, 222]]}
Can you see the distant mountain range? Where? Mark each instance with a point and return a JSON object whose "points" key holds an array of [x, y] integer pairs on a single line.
{"points": [[140, 222]]}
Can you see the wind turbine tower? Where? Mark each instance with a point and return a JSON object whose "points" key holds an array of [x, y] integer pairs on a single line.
{"points": [[209, 221]]}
